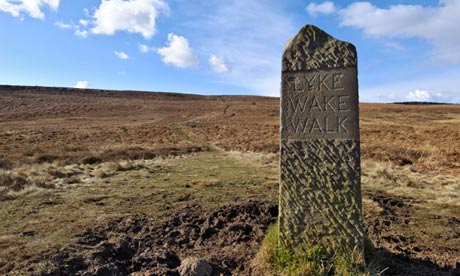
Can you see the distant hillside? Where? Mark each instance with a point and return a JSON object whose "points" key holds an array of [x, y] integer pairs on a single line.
{"points": [[422, 103], [93, 92], [115, 93]]}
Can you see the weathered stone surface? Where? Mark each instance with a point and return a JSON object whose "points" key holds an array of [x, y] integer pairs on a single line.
{"points": [[313, 48], [195, 267], [320, 193]]}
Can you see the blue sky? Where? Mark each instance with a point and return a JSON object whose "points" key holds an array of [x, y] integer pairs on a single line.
{"points": [[407, 50]]}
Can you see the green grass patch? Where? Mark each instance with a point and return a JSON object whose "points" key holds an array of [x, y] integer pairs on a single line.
{"points": [[274, 259]]}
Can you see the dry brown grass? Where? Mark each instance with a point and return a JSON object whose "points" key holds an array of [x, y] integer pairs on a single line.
{"points": [[71, 126], [68, 157], [425, 137], [434, 189]]}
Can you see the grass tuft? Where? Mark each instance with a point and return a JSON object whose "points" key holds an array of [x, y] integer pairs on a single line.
{"points": [[129, 166], [274, 259], [12, 181], [91, 160], [5, 163]]}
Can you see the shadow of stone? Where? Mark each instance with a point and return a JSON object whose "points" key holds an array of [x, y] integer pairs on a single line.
{"points": [[399, 265]]}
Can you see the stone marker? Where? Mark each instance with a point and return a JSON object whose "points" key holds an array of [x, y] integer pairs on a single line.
{"points": [[320, 192]]}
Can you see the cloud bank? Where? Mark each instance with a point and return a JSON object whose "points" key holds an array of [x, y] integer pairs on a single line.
{"points": [[435, 87], [419, 96], [81, 84], [437, 25]]}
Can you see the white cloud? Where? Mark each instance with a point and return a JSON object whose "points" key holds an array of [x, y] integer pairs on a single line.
{"points": [[394, 45], [418, 96], [63, 25], [177, 52], [81, 84], [134, 16], [121, 55], [426, 96], [144, 48], [326, 7], [13, 9], [79, 29], [437, 25], [81, 33], [83, 22], [32, 7], [442, 86], [218, 64]]}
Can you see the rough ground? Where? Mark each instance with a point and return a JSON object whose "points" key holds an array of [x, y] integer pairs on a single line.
{"points": [[228, 237], [106, 183]]}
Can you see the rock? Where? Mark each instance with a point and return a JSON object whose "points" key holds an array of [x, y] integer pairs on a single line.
{"points": [[195, 267], [320, 192]]}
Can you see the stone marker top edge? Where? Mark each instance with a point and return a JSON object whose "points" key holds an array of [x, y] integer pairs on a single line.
{"points": [[314, 49]]}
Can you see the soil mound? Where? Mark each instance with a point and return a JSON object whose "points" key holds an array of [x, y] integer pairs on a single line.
{"points": [[228, 238]]}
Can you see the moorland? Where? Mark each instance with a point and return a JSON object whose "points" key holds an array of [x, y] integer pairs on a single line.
{"points": [[99, 182]]}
